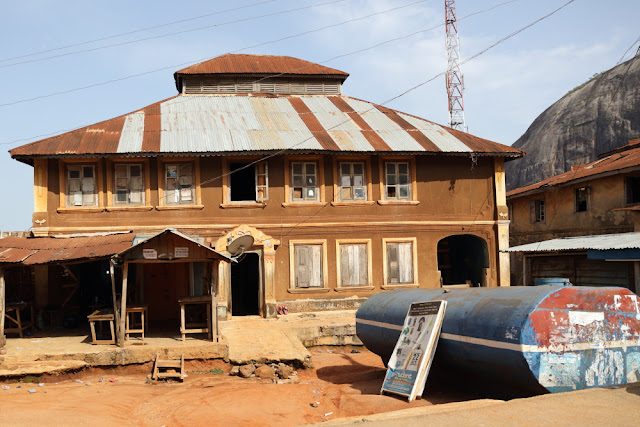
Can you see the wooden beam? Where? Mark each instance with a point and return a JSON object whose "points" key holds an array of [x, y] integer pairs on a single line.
{"points": [[2, 308], [112, 273], [636, 274], [214, 301], [123, 306]]}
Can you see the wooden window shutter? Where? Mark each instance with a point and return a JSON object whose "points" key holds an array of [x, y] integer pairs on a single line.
{"points": [[392, 263], [303, 277], [405, 255], [532, 212], [353, 265], [262, 181]]}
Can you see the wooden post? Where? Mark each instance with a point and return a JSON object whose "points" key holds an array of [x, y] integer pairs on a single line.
{"points": [[2, 307], [113, 295], [214, 300], [525, 272], [636, 274], [123, 304]]}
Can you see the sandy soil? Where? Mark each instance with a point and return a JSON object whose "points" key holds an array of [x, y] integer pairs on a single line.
{"points": [[341, 384]]}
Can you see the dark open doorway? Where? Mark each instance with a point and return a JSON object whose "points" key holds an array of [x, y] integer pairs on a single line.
{"points": [[462, 259], [243, 182], [245, 286]]}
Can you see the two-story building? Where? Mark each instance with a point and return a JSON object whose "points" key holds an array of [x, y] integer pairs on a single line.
{"points": [[582, 225], [343, 197]]}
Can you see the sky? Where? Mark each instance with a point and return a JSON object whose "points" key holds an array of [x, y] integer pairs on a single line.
{"points": [[68, 64]]}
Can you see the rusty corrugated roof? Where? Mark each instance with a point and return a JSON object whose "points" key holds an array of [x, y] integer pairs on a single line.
{"points": [[260, 64], [600, 242], [623, 158], [45, 250], [227, 124]]}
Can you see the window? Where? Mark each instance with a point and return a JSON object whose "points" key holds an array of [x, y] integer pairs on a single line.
{"points": [[582, 199], [128, 185], [537, 211], [354, 263], [304, 182], [248, 182], [179, 184], [353, 185], [308, 266], [397, 181], [632, 185], [400, 263], [81, 185]]}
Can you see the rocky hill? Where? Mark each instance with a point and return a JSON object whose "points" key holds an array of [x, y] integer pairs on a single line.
{"points": [[595, 117]]}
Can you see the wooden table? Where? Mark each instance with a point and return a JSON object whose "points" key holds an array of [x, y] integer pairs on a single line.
{"points": [[130, 323], [104, 315], [20, 325], [195, 328]]}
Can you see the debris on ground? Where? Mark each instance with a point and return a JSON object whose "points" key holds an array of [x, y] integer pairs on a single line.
{"points": [[278, 372]]}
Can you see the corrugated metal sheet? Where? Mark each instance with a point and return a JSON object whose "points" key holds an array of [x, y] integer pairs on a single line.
{"points": [[240, 123], [260, 64], [44, 250], [599, 242], [622, 158]]}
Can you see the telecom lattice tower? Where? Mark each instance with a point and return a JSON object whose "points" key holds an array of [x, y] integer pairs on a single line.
{"points": [[455, 80]]}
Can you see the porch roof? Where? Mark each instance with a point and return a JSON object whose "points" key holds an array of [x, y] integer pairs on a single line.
{"points": [[600, 242]]}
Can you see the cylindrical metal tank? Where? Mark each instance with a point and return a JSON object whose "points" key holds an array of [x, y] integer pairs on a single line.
{"points": [[538, 338]]}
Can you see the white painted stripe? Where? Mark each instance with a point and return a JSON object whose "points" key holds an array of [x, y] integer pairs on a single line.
{"points": [[524, 348], [132, 133], [379, 324]]}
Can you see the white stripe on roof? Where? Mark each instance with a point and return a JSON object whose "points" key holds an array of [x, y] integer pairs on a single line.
{"points": [[132, 133]]}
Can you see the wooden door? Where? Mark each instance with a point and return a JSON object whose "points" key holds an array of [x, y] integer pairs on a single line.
{"points": [[164, 283]]}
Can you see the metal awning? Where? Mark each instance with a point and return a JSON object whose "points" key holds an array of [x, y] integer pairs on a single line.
{"points": [[601, 242]]}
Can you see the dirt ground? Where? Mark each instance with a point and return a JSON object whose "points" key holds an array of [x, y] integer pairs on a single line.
{"points": [[341, 384]]}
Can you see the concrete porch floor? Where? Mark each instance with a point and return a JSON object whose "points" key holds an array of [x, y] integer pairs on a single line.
{"points": [[243, 339]]}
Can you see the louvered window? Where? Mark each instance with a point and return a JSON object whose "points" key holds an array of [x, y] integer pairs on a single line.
{"points": [[399, 263], [308, 266], [81, 185], [354, 270]]}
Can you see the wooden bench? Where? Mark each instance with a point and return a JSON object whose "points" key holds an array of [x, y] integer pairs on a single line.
{"points": [[103, 315], [195, 328], [133, 327], [19, 324]]}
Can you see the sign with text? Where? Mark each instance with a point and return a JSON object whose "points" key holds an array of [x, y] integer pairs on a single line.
{"points": [[411, 359], [181, 252], [149, 254]]}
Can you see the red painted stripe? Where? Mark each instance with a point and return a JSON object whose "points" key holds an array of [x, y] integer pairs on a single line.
{"points": [[374, 139], [314, 126], [151, 134], [414, 133]]}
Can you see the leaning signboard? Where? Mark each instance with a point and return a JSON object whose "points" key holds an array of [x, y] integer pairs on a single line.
{"points": [[411, 359]]}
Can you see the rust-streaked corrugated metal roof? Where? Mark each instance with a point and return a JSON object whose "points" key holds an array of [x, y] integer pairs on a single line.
{"points": [[623, 158], [598, 242], [228, 124], [260, 64], [44, 250]]}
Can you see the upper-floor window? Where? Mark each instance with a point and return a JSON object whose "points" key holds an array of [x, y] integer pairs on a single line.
{"points": [[397, 185], [304, 182], [537, 211], [179, 183], [81, 185], [128, 185], [353, 184], [582, 199], [632, 185], [248, 181]]}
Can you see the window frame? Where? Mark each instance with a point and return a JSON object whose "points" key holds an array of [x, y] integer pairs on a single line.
{"points": [[382, 167], [288, 176], [537, 211], [587, 196], [63, 164], [337, 174], [146, 179], [385, 268], [292, 266], [161, 172], [346, 288], [628, 190], [261, 168]]}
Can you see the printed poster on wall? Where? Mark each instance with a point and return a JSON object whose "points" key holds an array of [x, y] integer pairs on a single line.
{"points": [[411, 359]]}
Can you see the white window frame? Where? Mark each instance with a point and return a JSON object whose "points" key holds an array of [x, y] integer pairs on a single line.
{"points": [[169, 194], [128, 189], [414, 262], [82, 183], [323, 287], [408, 185], [346, 242]]}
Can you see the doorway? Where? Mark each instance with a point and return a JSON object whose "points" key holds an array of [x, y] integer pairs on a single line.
{"points": [[245, 286], [462, 259], [163, 284]]}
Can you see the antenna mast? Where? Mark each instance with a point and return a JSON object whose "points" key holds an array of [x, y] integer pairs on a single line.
{"points": [[455, 79]]}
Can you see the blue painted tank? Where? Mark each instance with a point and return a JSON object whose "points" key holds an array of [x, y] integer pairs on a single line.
{"points": [[538, 338]]}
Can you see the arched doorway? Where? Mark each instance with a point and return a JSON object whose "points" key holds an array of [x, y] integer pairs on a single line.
{"points": [[463, 259]]}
